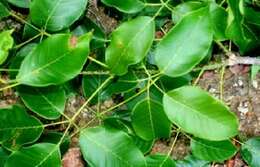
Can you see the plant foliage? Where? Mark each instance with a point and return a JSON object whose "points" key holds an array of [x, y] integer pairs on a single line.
{"points": [[142, 66]]}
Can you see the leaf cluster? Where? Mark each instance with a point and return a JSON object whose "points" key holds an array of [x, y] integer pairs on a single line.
{"points": [[61, 53]]}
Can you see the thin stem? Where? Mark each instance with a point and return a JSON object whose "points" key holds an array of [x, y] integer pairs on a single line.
{"points": [[91, 97], [101, 39], [9, 86], [98, 62], [29, 40], [161, 8], [225, 50], [23, 21], [222, 2], [29, 24], [221, 83], [56, 123], [118, 105], [166, 5], [8, 70], [153, 4], [199, 76], [95, 73], [172, 146], [209, 67], [3, 81]]}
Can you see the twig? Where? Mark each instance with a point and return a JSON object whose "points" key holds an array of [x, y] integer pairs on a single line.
{"points": [[235, 60]]}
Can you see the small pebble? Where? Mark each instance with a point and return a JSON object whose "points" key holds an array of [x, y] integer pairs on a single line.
{"points": [[255, 84], [212, 90], [243, 108], [240, 82]]}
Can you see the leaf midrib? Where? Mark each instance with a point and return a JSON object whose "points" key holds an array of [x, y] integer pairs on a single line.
{"points": [[106, 149], [212, 147], [196, 111], [129, 43], [44, 66]]}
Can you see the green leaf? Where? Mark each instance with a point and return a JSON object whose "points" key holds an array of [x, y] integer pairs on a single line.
{"points": [[191, 161], [130, 43], [216, 151], [143, 145], [154, 94], [237, 30], [6, 43], [3, 156], [158, 160], [116, 150], [48, 102], [99, 37], [19, 57], [18, 128], [47, 65], [185, 8], [55, 15], [169, 83], [90, 83], [149, 120], [218, 16], [186, 44], [250, 13], [20, 3], [126, 6], [42, 155], [55, 137], [123, 84], [251, 152], [3, 11], [196, 112]]}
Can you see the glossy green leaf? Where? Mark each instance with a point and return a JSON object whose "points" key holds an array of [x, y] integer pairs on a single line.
{"points": [[216, 151], [149, 120], [17, 127], [154, 94], [20, 3], [191, 161], [251, 152], [55, 15], [218, 16], [42, 155], [130, 43], [47, 65], [143, 145], [237, 31], [186, 44], [169, 83], [48, 102], [196, 112], [185, 8], [126, 6], [250, 12], [116, 150], [99, 36], [122, 84], [3, 156], [3, 11], [19, 57], [6, 43], [55, 137], [158, 160], [90, 83]]}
